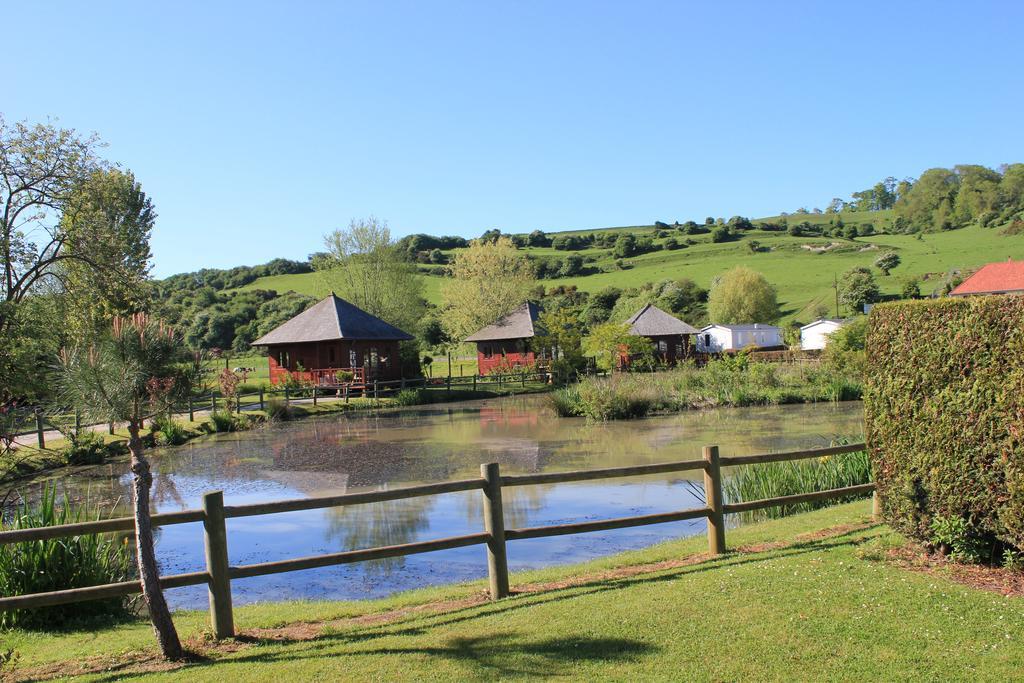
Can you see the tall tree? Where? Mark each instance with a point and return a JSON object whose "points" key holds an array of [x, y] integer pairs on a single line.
{"points": [[132, 372], [365, 267], [41, 167], [108, 220], [488, 280], [742, 295]]}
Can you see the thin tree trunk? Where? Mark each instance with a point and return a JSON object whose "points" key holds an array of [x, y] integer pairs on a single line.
{"points": [[149, 572]]}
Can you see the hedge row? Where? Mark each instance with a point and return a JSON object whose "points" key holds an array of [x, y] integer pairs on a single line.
{"points": [[944, 405]]}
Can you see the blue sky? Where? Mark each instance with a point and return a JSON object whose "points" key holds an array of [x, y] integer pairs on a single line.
{"points": [[258, 127]]}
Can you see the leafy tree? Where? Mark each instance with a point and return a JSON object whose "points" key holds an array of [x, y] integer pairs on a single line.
{"points": [[109, 219], [606, 343], [754, 246], [437, 256], [538, 238], [742, 295], [671, 244], [363, 266], [850, 232], [928, 204], [488, 280], [132, 372], [857, 288], [887, 261], [562, 332], [911, 289]]}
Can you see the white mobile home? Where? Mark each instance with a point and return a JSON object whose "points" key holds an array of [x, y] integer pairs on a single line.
{"points": [[814, 336], [719, 338]]}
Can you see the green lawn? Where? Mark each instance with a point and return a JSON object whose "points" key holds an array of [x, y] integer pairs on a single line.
{"points": [[803, 278], [815, 607]]}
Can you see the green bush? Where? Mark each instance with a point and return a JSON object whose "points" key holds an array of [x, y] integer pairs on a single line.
{"points": [[410, 397], [225, 421], [944, 409], [278, 409], [85, 448], [59, 564], [168, 432]]}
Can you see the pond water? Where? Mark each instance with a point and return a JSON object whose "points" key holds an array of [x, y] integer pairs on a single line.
{"points": [[346, 454]]}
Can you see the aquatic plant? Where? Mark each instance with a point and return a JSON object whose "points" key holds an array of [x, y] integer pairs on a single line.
{"points": [[59, 564], [773, 479]]}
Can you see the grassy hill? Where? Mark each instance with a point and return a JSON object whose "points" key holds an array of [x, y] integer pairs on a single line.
{"points": [[801, 268]]}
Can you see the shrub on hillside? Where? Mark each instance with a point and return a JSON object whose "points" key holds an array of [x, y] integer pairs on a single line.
{"points": [[944, 410]]}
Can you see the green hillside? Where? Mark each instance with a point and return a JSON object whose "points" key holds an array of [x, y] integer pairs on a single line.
{"points": [[802, 275]]}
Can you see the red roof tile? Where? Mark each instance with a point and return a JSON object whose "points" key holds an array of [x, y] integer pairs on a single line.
{"points": [[994, 278]]}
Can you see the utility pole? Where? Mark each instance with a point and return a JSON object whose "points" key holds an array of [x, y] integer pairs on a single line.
{"points": [[835, 286]]}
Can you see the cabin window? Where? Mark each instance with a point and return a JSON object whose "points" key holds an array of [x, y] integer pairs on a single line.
{"points": [[679, 350], [353, 358], [707, 342], [374, 358], [486, 350], [282, 359], [662, 346]]}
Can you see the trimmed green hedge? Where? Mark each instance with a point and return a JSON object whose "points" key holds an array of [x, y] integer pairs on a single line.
{"points": [[944, 406]]}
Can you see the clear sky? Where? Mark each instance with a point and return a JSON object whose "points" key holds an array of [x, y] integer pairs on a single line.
{"points": [[258, 127]]}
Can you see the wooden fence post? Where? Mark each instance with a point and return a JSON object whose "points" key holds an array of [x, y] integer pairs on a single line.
{"points": [[191, 410], [219, 585], [110, 428], [494, 524], [376, 396], [314, 397], [403, 383], [474, 382], [287, 401], [346, 393], [448, 384], [713, 499], [261, 398], [213, 402], [876, 505], [78, 423], [39, 429]]}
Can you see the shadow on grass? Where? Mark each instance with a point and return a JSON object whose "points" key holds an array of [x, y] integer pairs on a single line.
{"points": [[511, 653]]}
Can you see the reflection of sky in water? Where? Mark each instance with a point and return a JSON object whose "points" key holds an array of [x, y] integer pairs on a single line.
{"points": [[364, 452]]}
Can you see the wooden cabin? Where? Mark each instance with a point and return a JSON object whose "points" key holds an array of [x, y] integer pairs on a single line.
{"points": [[508, 342], [333, 337], [669, 336]]}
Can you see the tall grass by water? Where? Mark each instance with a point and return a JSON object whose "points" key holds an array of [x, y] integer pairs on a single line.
{"points": [[727, 382], [773, 479], [61, 563]]}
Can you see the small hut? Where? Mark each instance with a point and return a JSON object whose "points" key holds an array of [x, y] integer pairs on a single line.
{"points": [[333, 337], [507, 342], [669, 336]]}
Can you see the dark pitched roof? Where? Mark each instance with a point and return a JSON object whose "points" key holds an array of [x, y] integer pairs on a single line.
{"points": [[333, 318], [519, 324], [994, 278], [651, 321]]}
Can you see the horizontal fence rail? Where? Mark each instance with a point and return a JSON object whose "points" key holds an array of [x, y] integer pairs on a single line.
{"points": [[219, 573]]}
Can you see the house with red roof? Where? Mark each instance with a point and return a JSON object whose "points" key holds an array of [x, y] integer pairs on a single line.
{"points": [[1003, 277]]}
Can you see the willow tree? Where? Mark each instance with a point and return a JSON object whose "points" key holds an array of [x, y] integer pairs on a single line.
{"points": [[742, 295], [488, 280], [131, 372]]}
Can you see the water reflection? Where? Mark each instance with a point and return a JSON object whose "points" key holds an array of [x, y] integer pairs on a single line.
{"points": [[335, 455]]}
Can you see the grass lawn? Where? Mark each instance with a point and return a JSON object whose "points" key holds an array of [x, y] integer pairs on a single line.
{"points": [[794, 602], [803, 277]]}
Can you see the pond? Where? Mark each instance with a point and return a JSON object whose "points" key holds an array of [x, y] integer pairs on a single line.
{"points": [[363, 452]]}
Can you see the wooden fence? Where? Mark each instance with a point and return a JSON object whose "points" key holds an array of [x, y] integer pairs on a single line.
{"points": [[220, 573]]}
